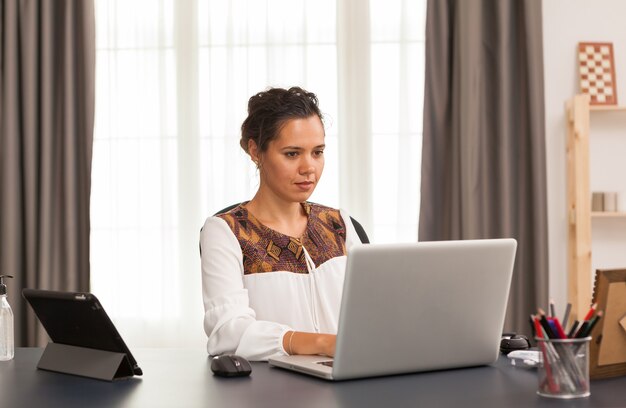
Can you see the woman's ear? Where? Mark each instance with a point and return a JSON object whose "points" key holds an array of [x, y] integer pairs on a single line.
{"points": [[253, 151]]}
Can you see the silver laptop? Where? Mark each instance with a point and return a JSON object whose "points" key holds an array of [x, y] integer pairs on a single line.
{"points": [[417, 307]]}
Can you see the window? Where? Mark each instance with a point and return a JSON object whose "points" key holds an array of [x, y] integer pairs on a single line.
{"points": [[173, 80], [397, 83]]}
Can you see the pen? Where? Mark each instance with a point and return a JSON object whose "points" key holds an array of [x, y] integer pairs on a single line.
{"points": [[552, 313]]}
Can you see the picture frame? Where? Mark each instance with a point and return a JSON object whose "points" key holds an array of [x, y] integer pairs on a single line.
{"points": [[607, 351], [596, 68]]}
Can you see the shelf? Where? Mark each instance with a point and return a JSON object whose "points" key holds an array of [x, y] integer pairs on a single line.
{"points": [[606, 108], [608, 214], [580, 273]]}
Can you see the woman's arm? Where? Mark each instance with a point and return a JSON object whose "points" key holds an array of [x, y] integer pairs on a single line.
{"points": [[309, 343], [229, 321]]}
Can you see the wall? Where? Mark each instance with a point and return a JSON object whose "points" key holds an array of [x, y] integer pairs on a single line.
{"points": [[565, 23]]}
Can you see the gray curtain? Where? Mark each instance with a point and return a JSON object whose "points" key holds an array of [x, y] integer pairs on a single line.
{"points": [[483, 159], [47, 68]]}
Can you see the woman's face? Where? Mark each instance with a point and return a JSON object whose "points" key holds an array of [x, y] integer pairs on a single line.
{"points": [[293, 162]]}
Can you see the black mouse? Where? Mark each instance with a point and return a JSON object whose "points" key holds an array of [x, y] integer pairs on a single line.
{"points": [[230, 365], [514, 342]]}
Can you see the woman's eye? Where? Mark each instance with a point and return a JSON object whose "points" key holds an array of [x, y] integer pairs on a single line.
{"points": [[291, 154], [318, 152]]}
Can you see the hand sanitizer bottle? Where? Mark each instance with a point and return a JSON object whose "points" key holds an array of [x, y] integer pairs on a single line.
{"points": [[7, 345]]}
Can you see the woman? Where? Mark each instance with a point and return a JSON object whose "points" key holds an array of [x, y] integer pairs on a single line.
{"points": [[273, 267]]}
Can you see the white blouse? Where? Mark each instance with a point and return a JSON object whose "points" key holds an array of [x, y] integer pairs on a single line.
{"points": [[249, 314]]}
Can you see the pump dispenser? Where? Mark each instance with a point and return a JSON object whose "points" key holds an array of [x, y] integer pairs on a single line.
{"points": [[7, 343]]}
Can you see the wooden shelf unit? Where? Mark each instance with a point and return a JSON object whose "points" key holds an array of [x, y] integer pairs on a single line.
{"points": [[579, 278]]}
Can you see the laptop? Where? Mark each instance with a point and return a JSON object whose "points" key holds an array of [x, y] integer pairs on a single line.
{"points": [[78, 319], [417, 307]]}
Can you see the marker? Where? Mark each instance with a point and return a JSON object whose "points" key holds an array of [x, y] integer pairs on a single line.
{"points": [[552, 313]]}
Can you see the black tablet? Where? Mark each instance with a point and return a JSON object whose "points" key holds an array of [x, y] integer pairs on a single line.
{"points": [[77, 319]]}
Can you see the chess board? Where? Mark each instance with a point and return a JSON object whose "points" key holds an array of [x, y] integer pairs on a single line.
{"points": [[597, 72]]}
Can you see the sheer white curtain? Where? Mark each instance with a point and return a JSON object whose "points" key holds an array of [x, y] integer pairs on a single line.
{"points": [[173, 80], [397, 95]]}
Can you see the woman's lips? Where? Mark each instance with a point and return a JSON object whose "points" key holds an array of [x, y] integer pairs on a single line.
{"points": [[305, 185]]}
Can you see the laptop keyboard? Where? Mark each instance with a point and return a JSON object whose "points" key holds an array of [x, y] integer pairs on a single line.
{"points": [[326, 363]]}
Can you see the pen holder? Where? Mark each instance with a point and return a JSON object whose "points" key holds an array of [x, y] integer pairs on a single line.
{"points": [[564, 369]]}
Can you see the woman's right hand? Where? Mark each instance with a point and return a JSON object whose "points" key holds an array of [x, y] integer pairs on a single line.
{"points": [[309, 343]]}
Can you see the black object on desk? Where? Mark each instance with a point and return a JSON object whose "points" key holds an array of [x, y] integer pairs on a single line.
{"points": [[512, 341], [85, 340], [230, 365]]}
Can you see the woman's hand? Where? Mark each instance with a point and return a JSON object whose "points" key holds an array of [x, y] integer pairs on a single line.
{"points": [[309, 343]]}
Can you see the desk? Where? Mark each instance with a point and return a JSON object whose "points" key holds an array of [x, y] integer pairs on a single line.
{"points": [[182, 378]]}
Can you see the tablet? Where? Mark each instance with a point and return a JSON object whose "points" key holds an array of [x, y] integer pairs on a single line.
{"points": [[77, 319]]}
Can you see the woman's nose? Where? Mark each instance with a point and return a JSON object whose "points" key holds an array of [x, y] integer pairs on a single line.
{"points": [[307, 167]]}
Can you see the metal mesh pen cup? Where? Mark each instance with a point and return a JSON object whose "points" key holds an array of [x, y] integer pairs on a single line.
{"points": [[564, 369]]}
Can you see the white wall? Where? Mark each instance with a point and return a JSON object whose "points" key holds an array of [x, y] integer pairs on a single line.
{"points": [[565, 23]]}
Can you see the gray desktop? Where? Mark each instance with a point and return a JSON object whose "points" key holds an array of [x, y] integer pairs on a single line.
{"points": [[183, 378]]}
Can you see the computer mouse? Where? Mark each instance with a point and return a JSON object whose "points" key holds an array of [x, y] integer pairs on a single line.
{"points": [[514, 342], [230, 365]]}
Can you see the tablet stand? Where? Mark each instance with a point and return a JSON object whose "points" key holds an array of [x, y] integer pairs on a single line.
{"points": [[86, 362]]}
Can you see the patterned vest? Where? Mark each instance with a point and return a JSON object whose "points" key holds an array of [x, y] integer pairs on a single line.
{"points": [[266, 250]]}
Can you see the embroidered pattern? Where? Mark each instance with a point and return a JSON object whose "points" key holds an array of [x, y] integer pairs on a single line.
{"points": [[266, 250]]}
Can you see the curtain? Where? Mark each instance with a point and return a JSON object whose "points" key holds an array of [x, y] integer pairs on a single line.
{"points": [[483, 152], [47, 62], [397, 88], [145, 200]]}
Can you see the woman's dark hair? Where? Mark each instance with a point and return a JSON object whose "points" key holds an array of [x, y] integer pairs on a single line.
{"points": [[269, 110]]}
